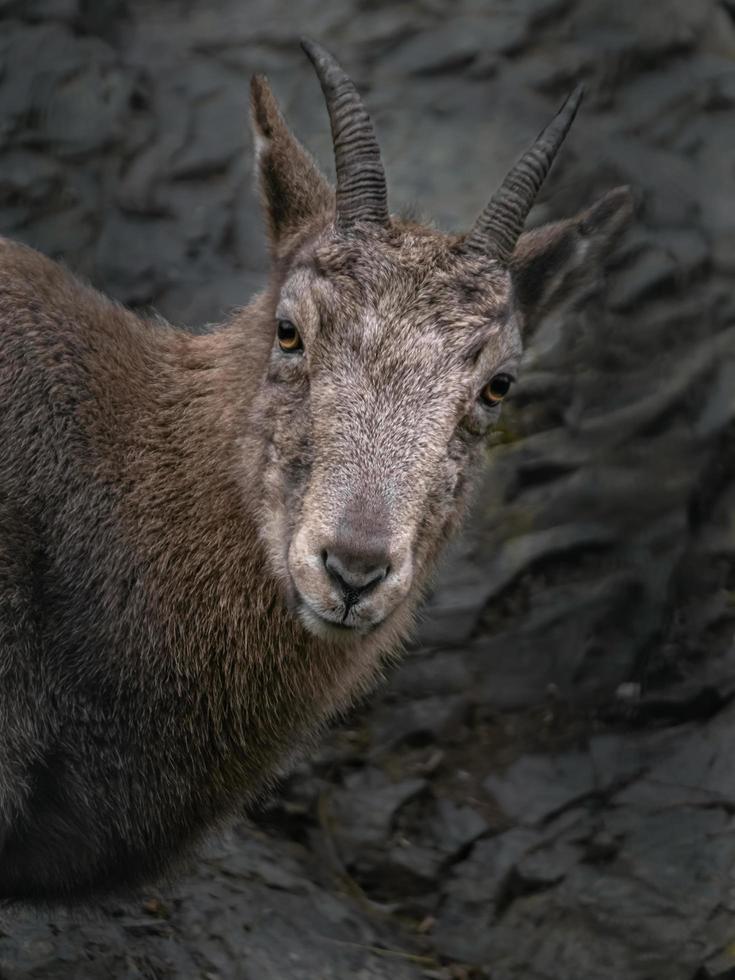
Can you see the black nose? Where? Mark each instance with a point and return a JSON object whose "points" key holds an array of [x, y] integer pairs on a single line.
{"points": [[355, 572]]}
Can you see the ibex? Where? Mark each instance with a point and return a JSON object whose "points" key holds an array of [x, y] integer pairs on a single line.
{"points": [[209, 544]]}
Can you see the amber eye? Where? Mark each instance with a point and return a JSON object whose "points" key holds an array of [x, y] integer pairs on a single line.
{"points": [[289, 339], [496, 389]]}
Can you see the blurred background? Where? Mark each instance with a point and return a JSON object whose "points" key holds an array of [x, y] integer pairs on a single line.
{"points": [[545, 787]]}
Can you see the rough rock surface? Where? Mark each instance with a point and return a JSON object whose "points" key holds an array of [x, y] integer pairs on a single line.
{"points": [[545, 788]]}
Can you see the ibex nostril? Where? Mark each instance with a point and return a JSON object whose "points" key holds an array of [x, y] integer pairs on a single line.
{"points": [[355, 573]]}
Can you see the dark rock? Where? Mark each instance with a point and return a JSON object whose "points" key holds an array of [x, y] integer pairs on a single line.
{"points": [[102, 17], [30, 177], [456, 44], [199, 300], [626, 421], [213, 141], [689, 250], [41, 10], [454, 827], [723, 251], [28, 180], [622, 919], [415, 721], [717, 411], [457, 598], [536, 787], [600, 549], [718, 968], [456, 606], [547, 864], [424, 675], [540, 12], [247, 904], [405, 870], [128, 273], [364, 810], [649, 38], [67, 232], [77, 104], [654, 271], [616, 759], [475, 888], [697, 770]]}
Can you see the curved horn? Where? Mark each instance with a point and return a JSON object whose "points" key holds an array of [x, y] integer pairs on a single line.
{"points": [[499, 226], [361, 189]]}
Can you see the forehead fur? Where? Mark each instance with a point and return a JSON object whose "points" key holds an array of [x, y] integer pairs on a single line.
{"points": [[410, 276]]}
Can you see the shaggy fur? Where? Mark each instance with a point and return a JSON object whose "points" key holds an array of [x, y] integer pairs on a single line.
{"points": [[168, 633]]}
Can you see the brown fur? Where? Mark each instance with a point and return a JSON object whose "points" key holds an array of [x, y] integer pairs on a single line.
{"points": [[163, 497]]}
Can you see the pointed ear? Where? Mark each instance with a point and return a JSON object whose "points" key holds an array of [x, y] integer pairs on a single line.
{"points": [[291, 187], [551, 262]]}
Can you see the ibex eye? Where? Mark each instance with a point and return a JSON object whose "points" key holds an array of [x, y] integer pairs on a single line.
{"points": [[289, 339], [496, 389]]}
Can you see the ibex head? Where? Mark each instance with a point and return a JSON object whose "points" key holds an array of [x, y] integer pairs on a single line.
{"points": [[393, 346]]}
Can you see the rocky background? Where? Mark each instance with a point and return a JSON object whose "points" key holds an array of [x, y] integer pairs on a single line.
{"points": [[545, 789]]}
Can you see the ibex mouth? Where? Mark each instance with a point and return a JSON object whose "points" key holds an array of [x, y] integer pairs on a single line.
{"points": [[317, 622]]}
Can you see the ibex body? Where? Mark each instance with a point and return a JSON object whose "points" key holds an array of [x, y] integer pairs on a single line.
{"points": [[209, 544]]}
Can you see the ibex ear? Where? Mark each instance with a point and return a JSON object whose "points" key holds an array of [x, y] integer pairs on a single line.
{"points": [[550, 262], [291, 187]]}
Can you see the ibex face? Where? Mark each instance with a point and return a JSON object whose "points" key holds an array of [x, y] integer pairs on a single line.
{"points": [[393, 347], [378, 406]]}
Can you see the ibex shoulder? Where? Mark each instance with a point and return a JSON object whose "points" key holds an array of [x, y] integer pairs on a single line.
{"points": [[22, 266], [40, 298]]}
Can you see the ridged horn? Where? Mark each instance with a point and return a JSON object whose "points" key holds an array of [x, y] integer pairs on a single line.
{"points": [[498, 228], [361, 187]]}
